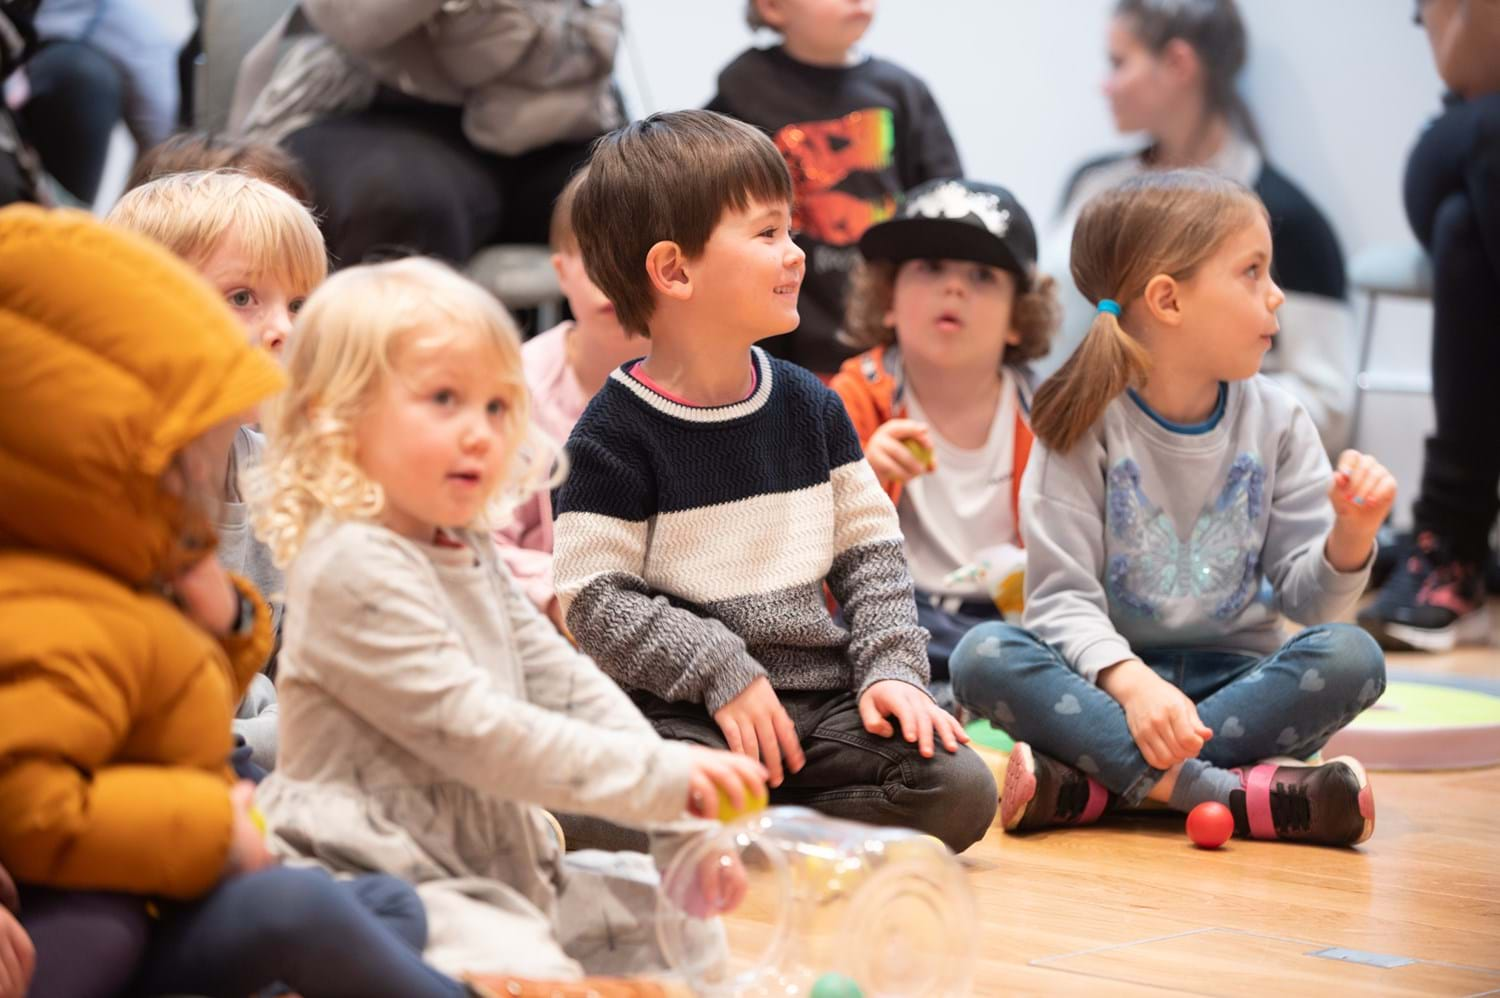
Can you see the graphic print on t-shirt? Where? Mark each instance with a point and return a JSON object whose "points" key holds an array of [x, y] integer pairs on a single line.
{"points": [[820, 156]]}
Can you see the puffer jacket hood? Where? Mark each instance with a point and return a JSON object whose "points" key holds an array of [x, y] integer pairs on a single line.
{"points": [[113, 355]]}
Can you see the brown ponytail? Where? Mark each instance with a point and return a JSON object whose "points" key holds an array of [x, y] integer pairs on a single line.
{"points": [[1156, 223], [1107, 362]]}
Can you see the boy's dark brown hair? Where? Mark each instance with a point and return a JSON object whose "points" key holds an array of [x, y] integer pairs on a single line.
{"points": [[669, 177], [189, 152], [561, 236], [1035, 314]]}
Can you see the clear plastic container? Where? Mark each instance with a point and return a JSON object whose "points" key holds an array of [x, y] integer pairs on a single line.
{"points": [[785, 901]]}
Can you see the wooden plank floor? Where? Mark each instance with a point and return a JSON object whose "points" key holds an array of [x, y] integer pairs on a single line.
{"points": [[1130, 908]]}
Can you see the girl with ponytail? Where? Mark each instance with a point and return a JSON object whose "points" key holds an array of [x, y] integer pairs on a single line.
{"points": [[1177, 505]]}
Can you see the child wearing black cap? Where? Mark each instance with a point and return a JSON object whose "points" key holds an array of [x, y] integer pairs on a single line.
{"points": [[949, 305]]}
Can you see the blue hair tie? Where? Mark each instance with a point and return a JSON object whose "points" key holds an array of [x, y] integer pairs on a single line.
{"points": [[1111, 306]]}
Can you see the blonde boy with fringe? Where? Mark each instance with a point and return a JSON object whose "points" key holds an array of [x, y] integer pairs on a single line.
{"points": [[261, 250]]}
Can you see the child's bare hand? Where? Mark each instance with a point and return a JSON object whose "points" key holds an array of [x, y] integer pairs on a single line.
{"points": [[713, 771], [1161, 718], [207, 596], [1362, 493], [721, 885], [247, 844], [755, 724], [891, 457], [17, 957], [920, 719]]}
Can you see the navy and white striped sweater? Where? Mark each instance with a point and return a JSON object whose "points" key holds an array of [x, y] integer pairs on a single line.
{"points": [[692, 544]]}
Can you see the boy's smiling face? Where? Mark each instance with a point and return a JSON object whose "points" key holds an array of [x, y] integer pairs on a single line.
{"points": [[750, 271], [265, 303]]}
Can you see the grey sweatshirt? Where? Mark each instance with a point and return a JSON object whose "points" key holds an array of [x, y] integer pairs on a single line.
{"points": [[241, 553], [1148, 535]]}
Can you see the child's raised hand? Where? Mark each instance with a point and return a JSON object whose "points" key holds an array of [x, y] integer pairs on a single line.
{"points": [[1162, 719], [755, 724], [920, 719], [1362, 489], [1362, 493], [738, 777], [207, 597], [890, 454], [247, 843]]}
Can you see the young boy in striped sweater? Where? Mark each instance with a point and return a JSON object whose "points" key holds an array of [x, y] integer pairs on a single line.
{"points": [[714, 491]]}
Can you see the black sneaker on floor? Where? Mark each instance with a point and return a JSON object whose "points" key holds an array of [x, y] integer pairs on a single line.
{"points": [[1040, 792], [1331, 804], [1432, 601]]}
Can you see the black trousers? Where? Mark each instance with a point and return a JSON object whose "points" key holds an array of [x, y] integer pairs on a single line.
{"points": [[77, 98], [850, 773], [1453, 204], [401, 178]]}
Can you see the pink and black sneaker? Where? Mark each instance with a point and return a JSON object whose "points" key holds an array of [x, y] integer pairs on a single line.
{"points": [[1432, 601], [1041, 793], [1331, 804]]}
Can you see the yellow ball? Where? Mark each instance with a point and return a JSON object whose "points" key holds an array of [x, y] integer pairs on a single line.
{"points": [[756, 801], [921, 453]]}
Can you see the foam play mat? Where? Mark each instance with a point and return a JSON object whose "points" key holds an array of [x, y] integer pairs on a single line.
{"points": [[1424, 725]]}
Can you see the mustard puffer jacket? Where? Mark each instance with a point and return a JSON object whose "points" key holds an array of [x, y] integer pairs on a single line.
{"points": [[115, 709]]}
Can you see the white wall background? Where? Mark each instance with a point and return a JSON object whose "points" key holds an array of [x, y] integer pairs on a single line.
{"points": [[1340, 89]]}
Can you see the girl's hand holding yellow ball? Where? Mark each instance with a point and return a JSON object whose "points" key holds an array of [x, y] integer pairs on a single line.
{"points": [[755, 800]]}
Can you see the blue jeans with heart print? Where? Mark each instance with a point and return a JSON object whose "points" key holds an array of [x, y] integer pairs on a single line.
{"points": [[1289, 703]]}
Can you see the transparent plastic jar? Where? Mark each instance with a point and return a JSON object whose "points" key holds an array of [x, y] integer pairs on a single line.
{"points": [[887, 908]]}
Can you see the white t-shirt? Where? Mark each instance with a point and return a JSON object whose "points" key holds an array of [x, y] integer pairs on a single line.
{"points": [[949, 515]]}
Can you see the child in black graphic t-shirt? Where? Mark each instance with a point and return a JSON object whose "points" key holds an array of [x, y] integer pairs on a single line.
{"points": [[856, 131]]}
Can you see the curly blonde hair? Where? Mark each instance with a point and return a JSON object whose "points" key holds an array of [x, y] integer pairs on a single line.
{"points": [[341, 356], [1036, 314]]}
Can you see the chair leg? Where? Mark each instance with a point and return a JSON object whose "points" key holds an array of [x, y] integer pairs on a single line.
{"points": [[1361, 371]]}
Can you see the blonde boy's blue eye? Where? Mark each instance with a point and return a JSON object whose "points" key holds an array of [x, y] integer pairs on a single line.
{"points": [[296, 305], [243, 298]]}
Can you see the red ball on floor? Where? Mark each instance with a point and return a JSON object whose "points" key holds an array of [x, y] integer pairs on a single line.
{"points": [[1210, 825]]}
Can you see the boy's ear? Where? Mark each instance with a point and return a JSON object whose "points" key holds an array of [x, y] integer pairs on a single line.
{"points": [[1163, 300], [1012, 337], [770, 11], [557, 265], [666, 266]]}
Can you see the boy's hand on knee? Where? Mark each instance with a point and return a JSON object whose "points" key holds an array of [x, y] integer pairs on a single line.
{"points": [[1162, 719], [890, 455], [755, 724], [920, 719], [715, 771]]}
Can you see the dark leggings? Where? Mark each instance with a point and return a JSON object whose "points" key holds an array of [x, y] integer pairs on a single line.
{"points": [[402, 178], [77, 98], [297, 927], [1453, 205]]}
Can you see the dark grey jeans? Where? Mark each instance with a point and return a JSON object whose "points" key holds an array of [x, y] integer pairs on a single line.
{"points": [[853, 774]]}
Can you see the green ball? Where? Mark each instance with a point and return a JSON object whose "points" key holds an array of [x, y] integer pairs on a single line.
{"points": [[833, 985]]}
